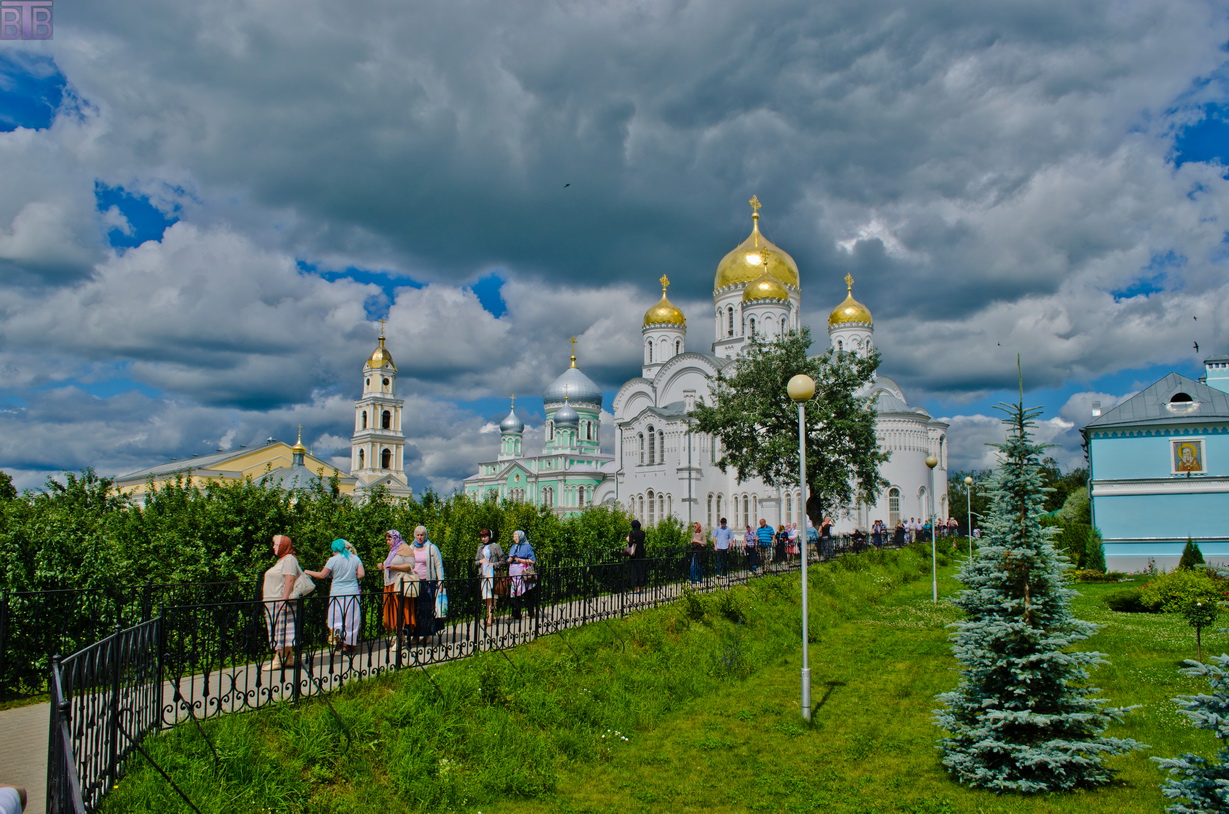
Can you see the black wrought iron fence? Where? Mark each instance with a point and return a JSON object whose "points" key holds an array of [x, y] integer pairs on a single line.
{"points": [[204, 658], [105, 699]]}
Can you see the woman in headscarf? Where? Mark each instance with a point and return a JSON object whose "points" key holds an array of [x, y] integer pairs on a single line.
{"points": [[522, 573], [345, 617], [636, 554], [697, 551], [276, 591], [490, 557], [429, 567], [398, 567]]}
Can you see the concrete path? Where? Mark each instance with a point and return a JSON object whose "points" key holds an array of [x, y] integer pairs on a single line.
{"points": [[23, 751]]}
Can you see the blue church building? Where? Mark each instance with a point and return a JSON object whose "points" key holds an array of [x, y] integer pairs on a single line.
{"points": [[1158, 471]]}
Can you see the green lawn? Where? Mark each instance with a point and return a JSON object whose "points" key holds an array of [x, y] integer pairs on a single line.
{"points": [[688, 708]]}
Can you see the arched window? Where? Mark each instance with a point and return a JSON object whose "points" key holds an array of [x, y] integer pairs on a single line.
{"points": [[641, 512], [652, 506], [580, 496], [709, 513], [661, 505], [840, 346], [729, 321], [661, 446], [789, 506], [678, 346], [718, 515], [550, 430], [360, 459], [362, 421], [649, 347], [652, 446], [386, 420], [640, 435], [588, 430], [386, 383], [751, 325], [386, 458], [746, 511], [893, 506]]}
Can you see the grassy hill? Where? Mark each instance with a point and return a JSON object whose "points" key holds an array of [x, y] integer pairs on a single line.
{"points": [[693, 707]]}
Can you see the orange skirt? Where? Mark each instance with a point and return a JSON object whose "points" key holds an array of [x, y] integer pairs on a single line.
{"points": [[398, 609]]}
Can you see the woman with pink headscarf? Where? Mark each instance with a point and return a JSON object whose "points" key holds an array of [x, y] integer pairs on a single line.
{"points": [[279, 612], [397, 566]]}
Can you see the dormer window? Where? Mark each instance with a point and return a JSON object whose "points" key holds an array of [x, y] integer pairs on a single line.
{"points": [[1181, 403]]}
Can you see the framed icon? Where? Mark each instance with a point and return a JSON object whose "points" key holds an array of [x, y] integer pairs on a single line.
{"points": [[1187, 456]]}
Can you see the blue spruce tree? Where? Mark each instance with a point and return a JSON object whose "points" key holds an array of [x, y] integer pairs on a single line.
{"points": [[1023, 718], [1203, 783]]}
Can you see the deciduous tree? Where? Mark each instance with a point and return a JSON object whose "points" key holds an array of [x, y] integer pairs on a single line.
{"points": [[757, 424]]}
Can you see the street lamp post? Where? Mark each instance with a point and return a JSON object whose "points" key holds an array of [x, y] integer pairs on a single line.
{"points": [[801, 389], [968, 509], [931, 463]]}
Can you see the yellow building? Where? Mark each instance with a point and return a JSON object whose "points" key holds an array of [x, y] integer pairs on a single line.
{"points": [[276, 463]]}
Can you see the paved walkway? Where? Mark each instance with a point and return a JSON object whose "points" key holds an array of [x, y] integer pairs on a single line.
{"points": [[23, 751]]}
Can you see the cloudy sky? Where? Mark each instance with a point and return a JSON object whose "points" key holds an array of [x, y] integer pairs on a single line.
{"points": [[207, 207]]}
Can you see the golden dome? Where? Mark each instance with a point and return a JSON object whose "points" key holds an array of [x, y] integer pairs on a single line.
{"points": [[850, 310], [665, 312], [298, 445], [746, 262], [765, 287], [380, 357]]}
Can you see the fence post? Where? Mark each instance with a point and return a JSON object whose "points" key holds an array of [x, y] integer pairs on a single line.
{"points": [[296, 691], [113, 717], [161, 657]]}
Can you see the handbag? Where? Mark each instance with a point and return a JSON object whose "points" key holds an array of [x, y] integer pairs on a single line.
{"points": [[408, 586], [303, 585], [502, 583], [441, 603], [630, 549]]}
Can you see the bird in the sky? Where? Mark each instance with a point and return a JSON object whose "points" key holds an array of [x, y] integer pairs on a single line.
{"points": [[1196, 347], [565, 186]]}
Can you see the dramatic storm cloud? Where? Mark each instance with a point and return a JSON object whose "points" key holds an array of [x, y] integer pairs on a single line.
{"points": [[207, 207]]}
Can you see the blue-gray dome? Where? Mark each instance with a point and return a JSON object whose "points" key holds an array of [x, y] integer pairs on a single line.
{"points": [[573, 386], [565, 416], [511, 424]]}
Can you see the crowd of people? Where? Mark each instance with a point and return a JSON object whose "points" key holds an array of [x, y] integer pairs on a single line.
{"points": [[414, 595]]}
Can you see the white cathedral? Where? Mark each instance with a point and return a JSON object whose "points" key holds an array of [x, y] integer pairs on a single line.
{"points": [[660, 468]]}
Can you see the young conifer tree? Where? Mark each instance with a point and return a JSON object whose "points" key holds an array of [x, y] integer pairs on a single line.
{"points": [[1199, 785], [1022, 718]]}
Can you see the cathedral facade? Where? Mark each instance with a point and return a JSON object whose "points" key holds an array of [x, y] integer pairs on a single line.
{"points": [[660, 468]]}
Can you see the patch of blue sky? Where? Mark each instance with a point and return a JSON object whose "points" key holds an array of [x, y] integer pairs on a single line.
{"points": [[1206, 140], [488, 290], [108, 387], [387, 281], [1154, 280], [145, 221], [31, 91]]}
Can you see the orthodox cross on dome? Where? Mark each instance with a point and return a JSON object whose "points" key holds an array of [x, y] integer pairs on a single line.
{"points": [[300, 435], [665, 283], [755, 206], [849, 283], [573, 341], [381, 329], [513, 397]]}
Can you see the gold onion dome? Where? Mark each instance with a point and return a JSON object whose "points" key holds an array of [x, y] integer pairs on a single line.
{"points": [[850, 310], [765, 287], [380, 357], [746, 262], [298, 445], [665, 312]]}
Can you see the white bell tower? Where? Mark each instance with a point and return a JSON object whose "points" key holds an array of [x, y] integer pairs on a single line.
{"points": [[377, 448]]}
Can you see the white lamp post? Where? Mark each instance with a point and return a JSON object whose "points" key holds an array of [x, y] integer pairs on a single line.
{"points": [[968, 509], [931, 463], [801, 389]]}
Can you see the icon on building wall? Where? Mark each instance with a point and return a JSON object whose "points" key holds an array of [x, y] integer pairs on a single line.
{"points": [[1188, 456]]}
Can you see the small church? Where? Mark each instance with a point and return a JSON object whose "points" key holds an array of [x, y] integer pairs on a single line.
{"points": [[1158, 471], [377, 450]]}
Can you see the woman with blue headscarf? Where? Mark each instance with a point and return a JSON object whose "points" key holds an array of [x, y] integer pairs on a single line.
{"points": [[345, 616]]}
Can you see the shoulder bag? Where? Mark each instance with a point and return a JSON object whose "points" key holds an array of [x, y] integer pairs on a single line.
{"points": [[303, 585]]}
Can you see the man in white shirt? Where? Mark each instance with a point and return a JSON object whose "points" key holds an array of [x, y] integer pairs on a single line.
{"points": [[722, 535]]}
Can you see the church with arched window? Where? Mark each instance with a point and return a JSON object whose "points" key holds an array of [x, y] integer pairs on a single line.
{"points": [[660, 468]]}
